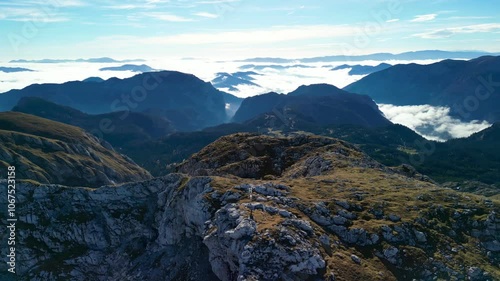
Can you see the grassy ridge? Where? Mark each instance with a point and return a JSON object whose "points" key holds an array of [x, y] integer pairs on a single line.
{"points": [[53, 152]]}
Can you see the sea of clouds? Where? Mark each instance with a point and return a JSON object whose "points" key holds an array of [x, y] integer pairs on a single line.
{"points": [[432, 122]]}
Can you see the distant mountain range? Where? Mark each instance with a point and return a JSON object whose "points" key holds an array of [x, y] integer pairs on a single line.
{"points": [[14, 69], [129, 67], [417, 55], [230, 81], [362, 69], [273, 66], [165, 126], [91, 60], [188, 102], [150, 142], [470, 88]]}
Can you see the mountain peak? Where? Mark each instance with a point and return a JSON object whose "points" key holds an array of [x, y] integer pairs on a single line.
{"points": [[317, 90], [233, 154], [309, 106]]}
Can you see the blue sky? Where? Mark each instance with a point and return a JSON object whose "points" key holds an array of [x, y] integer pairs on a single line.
{"points": [[35, 29]]}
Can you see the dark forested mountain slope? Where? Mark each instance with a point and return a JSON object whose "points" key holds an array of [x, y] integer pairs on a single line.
{"points": [[187, 101], [117, 128], [319, 104], [470, 88], [474, 158]]}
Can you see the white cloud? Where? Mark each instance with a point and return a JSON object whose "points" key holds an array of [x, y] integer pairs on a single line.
{"points": [[217, 1], [29, 14], [432, 122], [157, 1], [123, 7], [257, 36], [44, 3], [167, 17], [393, 20], [448, 32], [206, 15], [66, 3], [422, 18], [468, 18], [41, 19]]}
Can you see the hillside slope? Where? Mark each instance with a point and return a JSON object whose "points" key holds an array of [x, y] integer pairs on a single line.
{"points": [[53, 152], [474, 158]]}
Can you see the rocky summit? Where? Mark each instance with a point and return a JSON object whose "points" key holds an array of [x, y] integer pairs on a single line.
{"points": [[252, 207]]}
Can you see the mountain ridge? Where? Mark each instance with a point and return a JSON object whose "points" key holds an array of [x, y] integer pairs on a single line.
{"points": [[413, 55], [51, 152], [469, 88], [362, 69], [322, 104], [14, 69], [91, 60], [129, 67]]}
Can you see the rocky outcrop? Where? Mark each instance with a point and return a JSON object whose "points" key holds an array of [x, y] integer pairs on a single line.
{"points": [[162, 229], [333, 214], [256, 156]]}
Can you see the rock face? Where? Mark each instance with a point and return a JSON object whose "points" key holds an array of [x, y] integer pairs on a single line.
{"points": [[149, 230], [162, 229], [52, 152], [329, 215]]}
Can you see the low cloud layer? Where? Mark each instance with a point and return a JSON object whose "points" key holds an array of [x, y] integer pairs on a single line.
{"points": [[432, 122]]}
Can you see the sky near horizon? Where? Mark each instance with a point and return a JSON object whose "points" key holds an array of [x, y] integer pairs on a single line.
{"points": [[216, 29]]}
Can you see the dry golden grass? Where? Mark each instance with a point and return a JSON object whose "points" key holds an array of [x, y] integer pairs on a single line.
{"points": [[356, 179]]}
